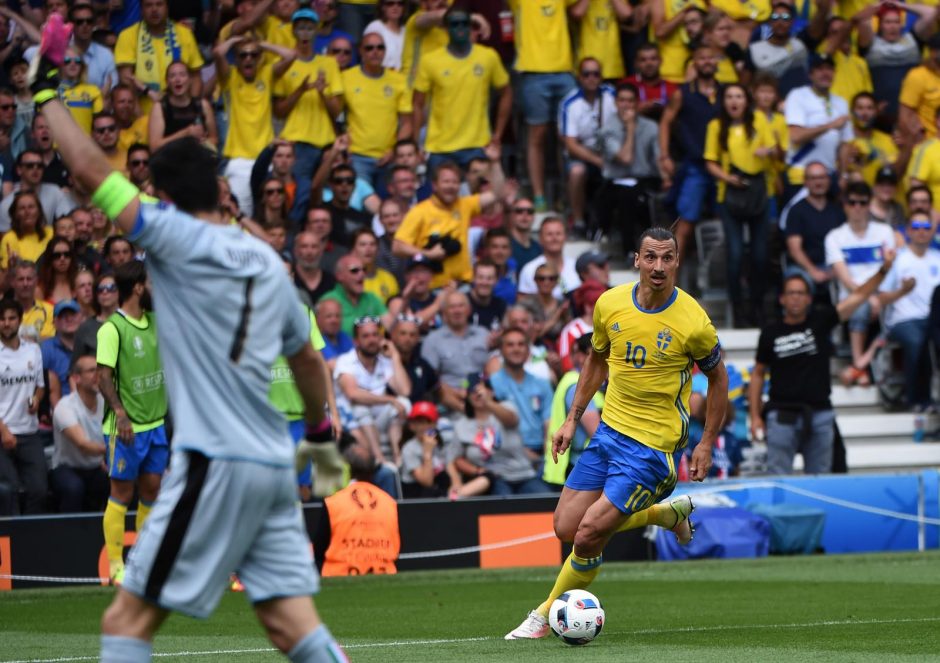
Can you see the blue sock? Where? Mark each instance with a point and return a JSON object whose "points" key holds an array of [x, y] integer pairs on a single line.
{"points": [[119, 649], [318, 646]]}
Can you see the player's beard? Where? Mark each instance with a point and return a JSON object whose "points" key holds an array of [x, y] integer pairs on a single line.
{"points": [[146, 301]]}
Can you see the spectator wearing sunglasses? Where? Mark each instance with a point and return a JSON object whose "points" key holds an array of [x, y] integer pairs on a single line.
{"points": [[783, 56], [105, 302], [99, 64], [352, 297], [138, 164], [54, 201], [104, 131], [82, 99]]}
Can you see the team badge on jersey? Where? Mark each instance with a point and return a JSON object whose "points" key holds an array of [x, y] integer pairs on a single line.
{"points": [[478, 70], [663, 339], [388, 91]]}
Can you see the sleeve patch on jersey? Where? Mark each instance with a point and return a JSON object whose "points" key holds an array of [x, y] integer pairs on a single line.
{"points": [[709, 362]]}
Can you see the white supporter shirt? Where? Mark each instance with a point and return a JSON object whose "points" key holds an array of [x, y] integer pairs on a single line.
{"points": [[862, 254], [581, 119], [915, 305], [71, 411], [805, 108], [568, 279], [375, 382], [20, 374]]}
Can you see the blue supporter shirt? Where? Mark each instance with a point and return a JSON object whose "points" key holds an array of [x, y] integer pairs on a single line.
{"points": [[57, 358], [342, 345], [533, 400]]}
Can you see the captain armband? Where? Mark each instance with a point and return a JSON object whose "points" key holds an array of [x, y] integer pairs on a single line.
{"points": [[711, 360], [114, 195]]}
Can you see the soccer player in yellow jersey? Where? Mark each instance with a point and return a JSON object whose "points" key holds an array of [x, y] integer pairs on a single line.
{"points": [[647, 335], [457, 82]]}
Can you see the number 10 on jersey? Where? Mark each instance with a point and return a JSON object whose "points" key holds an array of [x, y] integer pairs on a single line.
{"points": [[635, 354]]}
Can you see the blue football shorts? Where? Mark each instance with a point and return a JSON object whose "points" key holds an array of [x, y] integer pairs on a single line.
{"points": [[633, 475], [147, 454]]}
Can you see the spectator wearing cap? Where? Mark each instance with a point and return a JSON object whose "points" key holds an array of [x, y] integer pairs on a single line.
{"points": [[487, 309], [652, 90], [552, 237], [439, 227], [417, 298], [919, 103], [309, 97], [884, 206], [818, 122], [372, 389], [796, 351], [330, 321], [456, 349], [924, 168], [524, 247], [351, 295], [379, 282], [248, 87], [906, 293], [406, 336], [100, 69], [782, 55], [57, 351], [378, 109], [585, 297], [593, 265], [892, 51], [309, 275], [871, 150]]}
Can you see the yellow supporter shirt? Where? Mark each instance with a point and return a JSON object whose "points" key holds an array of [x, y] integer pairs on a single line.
{"points": [[419, 43], [874, 154], [851, 77], [249, 109], [650, 363], [921, 91], [83, 101], [600, 38], [430, 217], [726, 73], [754, 10], [674, 49], [310, 121], [37, 323], [740, 151], [925, 166], [459, 92], [372, 109], [542, 41], [28, 247], [381, 284], [136, 133], [279, 32]]}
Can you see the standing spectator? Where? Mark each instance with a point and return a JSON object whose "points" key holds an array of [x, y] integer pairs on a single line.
{"points": [[531, 396], [248, 87], [691, 107], [406, 336], [652, 90], [924, 169], [179, 113], [818, 121], [630, 148], [378, 110], [583, 114], [378, 281], [544, 59], [717, 32], [54, 202], [667, 26], [423, 34], [390, 218], [906, 293], [78, 478], [36, 315], [350, 293], [552, 237], [487, 310], [57, 351], [585, 297], [309, 97], [439, 228], [81, 98], [599, 32], [330, 320], [105, 303], [797, 350], [100, 70], [808, 222], [521, 220], [390, 26], [145, 49], [739, 149], [919, 103], [340, 49], [455, 350], [57, 270], [456, 83], [22, 463], [855, 251], [851, 76], [28, 234], [372, 388], [784, 56]]}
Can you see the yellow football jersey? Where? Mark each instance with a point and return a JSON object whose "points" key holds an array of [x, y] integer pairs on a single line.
{"points": [[650, 363], [600, 38], [310, 121], [925, 166], [874, 154], [83, 101], [372, 109], [249, 106], [543, 44]]}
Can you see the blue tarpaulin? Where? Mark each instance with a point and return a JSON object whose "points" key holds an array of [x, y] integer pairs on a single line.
{"points": [[719, 532]]}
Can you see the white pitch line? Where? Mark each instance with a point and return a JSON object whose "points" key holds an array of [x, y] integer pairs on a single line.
{"points": [[443, 641]]}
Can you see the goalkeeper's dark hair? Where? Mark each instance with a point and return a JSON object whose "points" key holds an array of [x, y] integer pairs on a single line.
{"points": [[185, 171]]}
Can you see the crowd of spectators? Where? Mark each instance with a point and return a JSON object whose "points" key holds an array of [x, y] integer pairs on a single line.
{"points": [[421, 168]]}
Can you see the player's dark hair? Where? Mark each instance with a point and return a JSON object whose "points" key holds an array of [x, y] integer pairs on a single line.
{"points": [[127, 276], [11, 305], [657, 234], [185, 171]]}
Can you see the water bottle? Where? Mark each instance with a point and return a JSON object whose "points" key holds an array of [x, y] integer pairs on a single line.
{"points": [[920, 423], [507, 27]]}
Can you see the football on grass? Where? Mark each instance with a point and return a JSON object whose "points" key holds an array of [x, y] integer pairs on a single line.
{"points": [[576, 617]]}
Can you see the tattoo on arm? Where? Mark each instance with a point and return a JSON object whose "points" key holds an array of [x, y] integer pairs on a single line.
{"points": [[578, 411]]}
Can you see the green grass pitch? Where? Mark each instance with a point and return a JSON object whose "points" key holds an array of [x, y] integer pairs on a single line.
{"points": [[857, 608]]}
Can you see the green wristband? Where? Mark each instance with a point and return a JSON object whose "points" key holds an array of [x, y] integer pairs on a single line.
{"points": [[44, 96], [114, 194]]}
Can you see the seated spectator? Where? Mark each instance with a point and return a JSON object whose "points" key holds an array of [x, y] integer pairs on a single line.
{"points": [[390, 217], [329, 321], [562, 400], [406, 336], [54, 201], [350, 293], [57, 351], [105, 133], [884, 206], [407, 153], [652, 91], [629, 145], [919, 105], [138, 165], [521, 219], [57, 270], [593, 265], [78, 478], [496, 247], [487, 309], [276, 236], [782, 54], [28, 235], [372, 388], [854, 251], [455, 350], [309, 276], [83, 285], [403, 186], [181, 114], [276, 162], [907, 292], [319, 221], [542, 362], [552, 237], [428, 467], [357, 533], [585, 297], [105, 303], [416, 298], [117, 251], [489, 433], [86, 256], [350, 200], [582, 114], [531, 396], [378, 281], [131, 123], [550, 313]]}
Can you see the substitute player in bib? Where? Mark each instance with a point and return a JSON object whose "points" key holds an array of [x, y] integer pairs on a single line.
{"points": [[227, 310], [130, 377], [647, 335]]}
